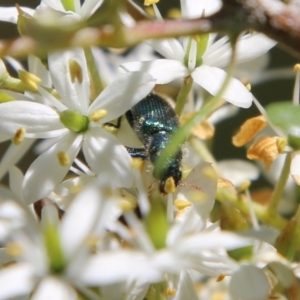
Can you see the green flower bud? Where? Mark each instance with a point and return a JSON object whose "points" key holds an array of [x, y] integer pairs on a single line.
{"points": [[74, 121]]}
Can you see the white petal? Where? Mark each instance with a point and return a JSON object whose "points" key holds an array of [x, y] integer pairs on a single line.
{"points": [[237, 170], [57, 5], [186, 288], [36, 67], [249, 283], [196, 8], [13, 154], [119, 267], [123, 93], [107, 158], [10, 14], [34, 117], [295, 167], [217, 51], [16, 280], [211, 79], [75, 95], [86, 208], [15, 181], [202, 190], [54, 288], [168, 48], [212, 241], [163, 70], [89, 7], [46, 171], [249, 47]]}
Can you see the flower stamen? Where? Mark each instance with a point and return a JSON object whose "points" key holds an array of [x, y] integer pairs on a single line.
{"points": [[182, 204], [75, 71], [97, 115], [19, 136], [63, 158], [29, 79], [170, 185], [150, 2]]}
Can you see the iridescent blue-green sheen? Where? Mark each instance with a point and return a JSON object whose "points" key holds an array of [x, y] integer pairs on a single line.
{"points": [[154, 121]]}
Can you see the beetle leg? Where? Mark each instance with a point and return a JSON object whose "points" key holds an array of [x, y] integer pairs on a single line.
{"points": [[117, 125], [137, 152]]}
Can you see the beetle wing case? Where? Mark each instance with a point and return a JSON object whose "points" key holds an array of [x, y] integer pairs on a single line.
{"points": [[154, 121]]}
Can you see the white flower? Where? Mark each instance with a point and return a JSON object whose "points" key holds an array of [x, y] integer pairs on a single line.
{"points": [[74, 6], [189, 244], [48, 256], [206, 69], [102, 151], [17, 150]]}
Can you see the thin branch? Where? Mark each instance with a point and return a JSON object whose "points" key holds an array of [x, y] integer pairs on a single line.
{"points": [[275, 19]]}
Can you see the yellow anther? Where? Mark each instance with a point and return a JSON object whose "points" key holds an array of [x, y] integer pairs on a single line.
{"points": [[248, 87], [181, 204], [281, 143], [127, 202], [97, 115], [14, 249], [75, 71], [249, 130], [266, 149], [19, 136], [170, 185], [137, 163], [224, 183], [63, 158], [244, 186], [150, 2], [170, 291], [221, 277], [29, 79], [76, 188], [204, 130], [296, 68]]}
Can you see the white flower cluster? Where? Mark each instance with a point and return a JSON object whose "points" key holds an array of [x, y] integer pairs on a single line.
{"points": [[86, 220]]}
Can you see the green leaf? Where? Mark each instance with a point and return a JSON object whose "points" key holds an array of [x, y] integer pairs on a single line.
{"points": [[286, 116]]}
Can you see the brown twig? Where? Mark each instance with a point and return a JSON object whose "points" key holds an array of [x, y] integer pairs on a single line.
{"points": [[275, 19]]}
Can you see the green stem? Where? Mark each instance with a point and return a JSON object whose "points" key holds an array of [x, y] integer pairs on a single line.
{"points": [[183, 94], [97, 86], [279, 188], [181, 135], [261, 212]]}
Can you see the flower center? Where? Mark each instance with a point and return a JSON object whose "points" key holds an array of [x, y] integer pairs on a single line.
{"points": [[195, 49], [74, 121]]}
